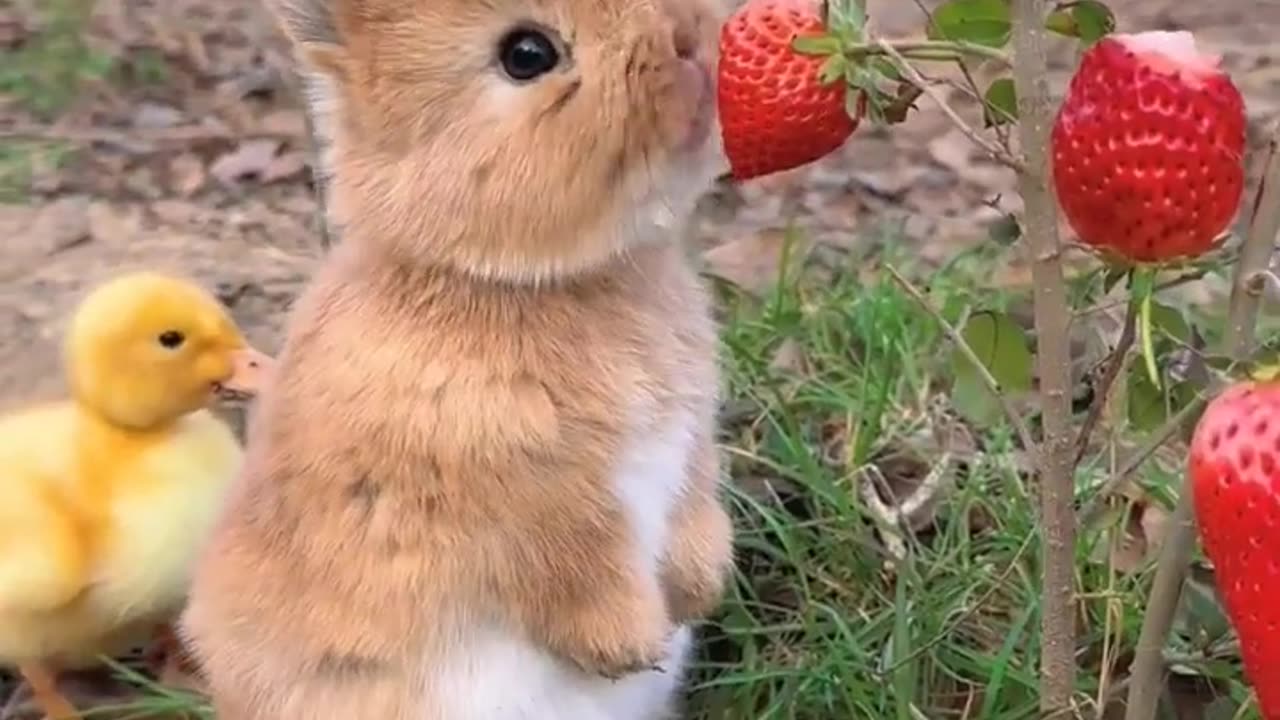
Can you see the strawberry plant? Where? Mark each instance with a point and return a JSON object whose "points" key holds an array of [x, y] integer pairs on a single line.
{"points": [[1140, 155]]}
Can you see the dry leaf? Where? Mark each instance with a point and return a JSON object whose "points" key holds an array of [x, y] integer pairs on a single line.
{"points": [[1154, 522], [752, 262], [187, 173], [12, 30], [1128, 552], [62, 224], [114, 225], [248, 161], [285, 166], [953, 151], [177, 212], [789, 357], [284, 123], [889, 182], [152, 116]]}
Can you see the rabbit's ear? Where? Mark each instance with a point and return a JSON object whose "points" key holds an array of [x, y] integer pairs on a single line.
{"points": [[306, 21]]}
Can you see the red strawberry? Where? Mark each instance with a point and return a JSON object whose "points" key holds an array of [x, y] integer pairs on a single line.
{"points": [[1148, 147], [774, 113], [1235, 478]]}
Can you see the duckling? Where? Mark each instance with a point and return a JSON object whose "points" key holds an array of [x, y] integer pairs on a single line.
{"points": [[106, 496]]}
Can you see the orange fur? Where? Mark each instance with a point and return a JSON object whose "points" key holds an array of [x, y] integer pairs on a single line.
{"points": [[507, 312]]}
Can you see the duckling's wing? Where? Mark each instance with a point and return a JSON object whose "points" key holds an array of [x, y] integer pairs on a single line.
{"points": [[43, 556], [43, 552]]}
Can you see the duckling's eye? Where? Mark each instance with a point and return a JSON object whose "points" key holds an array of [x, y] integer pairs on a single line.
{"points": [[526, 53], [171, 339]]}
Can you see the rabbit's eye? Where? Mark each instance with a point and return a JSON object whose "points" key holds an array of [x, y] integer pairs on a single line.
{"points": [[525, 54]]}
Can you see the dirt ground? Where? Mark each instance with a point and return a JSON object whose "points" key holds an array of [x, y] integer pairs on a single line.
{"points": [[202, 168]]}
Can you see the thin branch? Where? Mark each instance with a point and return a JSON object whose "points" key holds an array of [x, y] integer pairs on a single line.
{"points": [[1091, 508], [993, 385], [1053, 321], [1102, 392], [1175, 556], [913, 76]]}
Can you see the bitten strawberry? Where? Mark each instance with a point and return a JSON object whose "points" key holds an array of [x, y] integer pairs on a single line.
{"points": [[1235, 478], [774, 113], [1148, 147]]}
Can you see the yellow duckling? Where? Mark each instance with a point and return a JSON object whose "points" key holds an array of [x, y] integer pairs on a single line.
{"points": [[105, 497]]}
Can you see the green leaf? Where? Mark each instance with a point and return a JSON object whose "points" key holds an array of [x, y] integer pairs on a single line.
{"points": [[1200, 615], [1115, 273], [1223, 708], [1094, 20], [1170, 322], [1002, 347], [1088, 20], [982, 22], [1000, 103], [1060, 21], [1150, 407], [816, 44]]}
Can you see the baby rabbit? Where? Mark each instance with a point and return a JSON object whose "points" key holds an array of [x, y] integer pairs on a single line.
{"points": [[484, 484]]}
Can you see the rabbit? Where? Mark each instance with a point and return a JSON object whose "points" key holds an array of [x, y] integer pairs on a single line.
{"points": [[484, 481]]}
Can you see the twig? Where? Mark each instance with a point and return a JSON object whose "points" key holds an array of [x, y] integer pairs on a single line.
{"points": [[1091, 508], [177, 135], [1102, 392], [1175, 556], [1053, 320], [914, 77], [1015, 420], [893, 517]]}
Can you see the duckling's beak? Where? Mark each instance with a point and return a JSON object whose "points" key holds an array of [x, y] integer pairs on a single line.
{"points": [[249, 368]]}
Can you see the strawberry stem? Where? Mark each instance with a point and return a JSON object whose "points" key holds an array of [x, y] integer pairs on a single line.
{"points": [[939, 50], [1142, 282]]}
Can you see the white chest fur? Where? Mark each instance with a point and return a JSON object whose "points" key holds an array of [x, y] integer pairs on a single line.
{"points": [[649, 478], [495, 676]]}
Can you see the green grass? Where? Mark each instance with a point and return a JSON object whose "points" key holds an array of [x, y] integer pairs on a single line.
{"points": [[19, 162], [821, 623], [46, 72], [44, 75]]}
